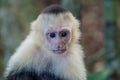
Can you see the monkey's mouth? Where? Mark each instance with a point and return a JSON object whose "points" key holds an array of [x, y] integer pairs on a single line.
{"points": [[59, 51]]}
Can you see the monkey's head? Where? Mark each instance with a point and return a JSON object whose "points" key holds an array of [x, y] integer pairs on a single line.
{"points": [[59, 28]]}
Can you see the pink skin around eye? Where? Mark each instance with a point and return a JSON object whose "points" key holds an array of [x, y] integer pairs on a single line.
{"points": [[58, 44]]}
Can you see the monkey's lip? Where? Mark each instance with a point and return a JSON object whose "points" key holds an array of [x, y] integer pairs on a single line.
{"points": [[59, 51]]}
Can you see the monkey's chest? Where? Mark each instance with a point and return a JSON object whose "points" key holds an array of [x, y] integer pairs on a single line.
{"points": [[48, 76], [32, 75]]}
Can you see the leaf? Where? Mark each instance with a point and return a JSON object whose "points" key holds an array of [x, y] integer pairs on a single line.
{"points": [[101, 75]]}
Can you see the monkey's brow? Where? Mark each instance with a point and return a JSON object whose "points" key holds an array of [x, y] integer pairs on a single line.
{"points": [[64, 30], [52, 32]]}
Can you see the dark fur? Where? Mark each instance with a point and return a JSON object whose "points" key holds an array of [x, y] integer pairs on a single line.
{"points": [[31, 75], [54, 9]]}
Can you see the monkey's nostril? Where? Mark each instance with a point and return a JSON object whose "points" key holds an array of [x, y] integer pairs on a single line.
{"points": [[58, 47]]}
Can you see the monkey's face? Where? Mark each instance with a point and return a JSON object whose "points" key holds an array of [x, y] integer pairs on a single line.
{"points": [[57, 30], [58, 39]]}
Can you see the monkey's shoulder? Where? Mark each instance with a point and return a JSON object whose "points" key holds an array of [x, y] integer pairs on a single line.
{"points": [[25, 74]]}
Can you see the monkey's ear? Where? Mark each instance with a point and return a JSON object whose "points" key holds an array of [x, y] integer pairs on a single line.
{"points": [[36, 25], [33, 25]]}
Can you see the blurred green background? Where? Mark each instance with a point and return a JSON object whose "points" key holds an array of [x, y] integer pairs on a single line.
{"points": [[100, 26]]}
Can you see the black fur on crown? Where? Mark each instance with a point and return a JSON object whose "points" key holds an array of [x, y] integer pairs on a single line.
{"points": [[54, 9]]}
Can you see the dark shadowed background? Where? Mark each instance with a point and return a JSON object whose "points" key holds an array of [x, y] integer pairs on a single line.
{"points": [[100, 26]]}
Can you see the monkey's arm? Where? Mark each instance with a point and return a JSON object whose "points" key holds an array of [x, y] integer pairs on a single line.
{"points": [[17, 77], [20, 76], [32, 76]]}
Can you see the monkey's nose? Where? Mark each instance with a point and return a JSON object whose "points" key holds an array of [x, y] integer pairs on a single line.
{"points": [[60, 47]]}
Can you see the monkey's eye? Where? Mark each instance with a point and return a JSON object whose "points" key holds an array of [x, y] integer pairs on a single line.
{"points": [[63, 34], [52, 35]]}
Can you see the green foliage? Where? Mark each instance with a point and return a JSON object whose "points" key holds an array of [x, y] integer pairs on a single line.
{"points": [[101, 75], [28, 10]]}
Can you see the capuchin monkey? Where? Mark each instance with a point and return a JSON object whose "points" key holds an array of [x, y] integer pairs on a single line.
{"points": [[51, 51]]}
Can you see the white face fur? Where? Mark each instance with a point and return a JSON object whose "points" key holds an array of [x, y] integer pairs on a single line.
{"points": [[57, 32]]}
